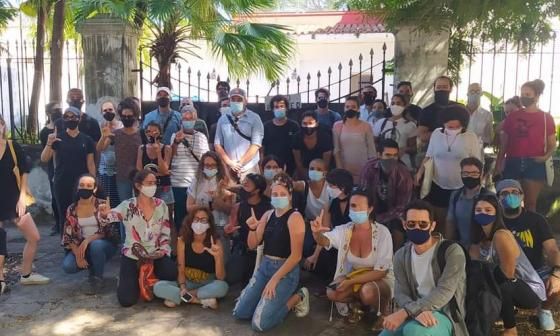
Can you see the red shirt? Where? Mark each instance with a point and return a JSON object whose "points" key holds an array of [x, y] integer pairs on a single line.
{"points": [[526, 133]]}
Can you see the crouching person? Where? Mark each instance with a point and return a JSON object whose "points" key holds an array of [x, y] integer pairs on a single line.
{"points": [[200, 262], [423, 291]]}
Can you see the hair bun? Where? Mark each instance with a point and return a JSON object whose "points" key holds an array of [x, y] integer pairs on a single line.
{"points": [[539, 85]]}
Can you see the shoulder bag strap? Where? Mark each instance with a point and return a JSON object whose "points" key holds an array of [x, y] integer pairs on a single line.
{"points": [[16, 168], [190, 148], [236, 128]]}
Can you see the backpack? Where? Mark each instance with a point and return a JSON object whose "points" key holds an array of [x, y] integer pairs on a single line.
{"points": [[483, 299]]}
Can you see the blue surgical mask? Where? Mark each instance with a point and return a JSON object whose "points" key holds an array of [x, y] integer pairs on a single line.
{"points": [[236, 108], [269, 174], [417, 236], [188, 124], [358, 217], [210, 172], [279, 202], [315, 175], [484, 219], [511, 201], [279, 113]]}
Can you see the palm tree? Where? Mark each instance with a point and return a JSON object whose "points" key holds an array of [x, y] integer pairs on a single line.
{"points": [[7, 13], [248, 48], [56, 48]]}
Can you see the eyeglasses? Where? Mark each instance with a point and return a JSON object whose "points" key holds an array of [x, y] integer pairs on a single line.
{"points": [[422, 225], [514, 192], [201, 220]]}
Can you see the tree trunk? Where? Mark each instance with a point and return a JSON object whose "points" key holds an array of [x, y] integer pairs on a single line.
{"points": [[56, 49], [163, 77], [38, 73]]}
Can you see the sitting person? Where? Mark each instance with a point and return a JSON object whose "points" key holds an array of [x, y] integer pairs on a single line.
{"points": [[271, 165], [534, 235], [200, 262], [271, 293], [152, 235], [87, 244], [365, 255], [389, 184], [520, 285], [423, 291]]}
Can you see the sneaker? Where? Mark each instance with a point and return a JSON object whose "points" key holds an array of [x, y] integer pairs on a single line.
{"points": [[209, 303], [302, 308], [546, 320], [169, 304], [34, 279], [342, 308], [3, 287]]}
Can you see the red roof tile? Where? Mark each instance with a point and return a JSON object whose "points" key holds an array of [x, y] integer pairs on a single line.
{"points": [[353, 23]]}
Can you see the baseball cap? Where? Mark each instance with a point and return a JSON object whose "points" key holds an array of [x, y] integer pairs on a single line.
{"points": [[73, 110], [237, 92], [163, 88]]}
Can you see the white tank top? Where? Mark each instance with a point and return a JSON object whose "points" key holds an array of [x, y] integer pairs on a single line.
{"points": [[315, 205], [357, 262], [88, 225]]}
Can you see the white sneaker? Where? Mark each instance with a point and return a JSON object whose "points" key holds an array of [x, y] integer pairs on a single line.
{"points": [[169, 304], [209, 303], [34, 279], [302, 308], [342, 308]]}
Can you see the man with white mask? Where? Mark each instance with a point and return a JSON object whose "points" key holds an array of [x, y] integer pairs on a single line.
{"points": [[481, 120]]}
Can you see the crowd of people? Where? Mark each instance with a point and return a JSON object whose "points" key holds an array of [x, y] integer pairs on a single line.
{"points": [[364, 199]]}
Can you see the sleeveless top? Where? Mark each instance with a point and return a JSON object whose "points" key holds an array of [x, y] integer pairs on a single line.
{"points": [[245, 213], [337, 217], [146, 161], [201, 261], [277, 236]]}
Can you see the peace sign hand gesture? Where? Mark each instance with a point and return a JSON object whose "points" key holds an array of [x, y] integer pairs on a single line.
{"points": [[215, 249], [317, 224], [252, 222]]}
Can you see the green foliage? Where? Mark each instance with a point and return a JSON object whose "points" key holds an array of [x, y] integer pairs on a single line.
{"points": [[23, 137], [7, 13]]}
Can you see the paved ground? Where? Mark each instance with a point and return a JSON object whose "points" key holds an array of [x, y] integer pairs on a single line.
{"points": [[60, 308]]}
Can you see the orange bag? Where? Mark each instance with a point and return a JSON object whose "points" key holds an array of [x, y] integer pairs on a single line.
{"points": [[147, 279]]}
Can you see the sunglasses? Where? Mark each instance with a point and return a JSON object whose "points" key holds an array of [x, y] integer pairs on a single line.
{"points": [[422, 225]]}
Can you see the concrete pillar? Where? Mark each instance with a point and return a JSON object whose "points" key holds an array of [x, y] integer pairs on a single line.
{"points": [[420, 58], [109, 45]]}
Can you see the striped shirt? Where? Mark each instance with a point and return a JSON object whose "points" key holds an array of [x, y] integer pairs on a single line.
{"points": [[183, 164]]}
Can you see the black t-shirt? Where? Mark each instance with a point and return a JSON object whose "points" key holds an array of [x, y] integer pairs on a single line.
{"points": [[278, 140], [44, 137], [414, 111], [431, 117], [10, 190], [337, 216], [324, 144], [531, 230], [87, 125], [71, 156]]}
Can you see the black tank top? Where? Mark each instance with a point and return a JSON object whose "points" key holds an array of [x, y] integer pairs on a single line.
{"points": [[337, 217], [277, 236], [161, 180], [203, 261], [244, 214]]}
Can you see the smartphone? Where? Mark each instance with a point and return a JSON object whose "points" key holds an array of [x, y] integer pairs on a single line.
{"points": [[333, 285], [187, 297]]}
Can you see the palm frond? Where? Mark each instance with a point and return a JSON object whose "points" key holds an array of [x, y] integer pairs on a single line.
{"points": [[7, 13]]}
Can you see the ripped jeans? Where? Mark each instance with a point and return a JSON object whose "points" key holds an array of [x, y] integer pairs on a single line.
{"points": [[266, 313]]}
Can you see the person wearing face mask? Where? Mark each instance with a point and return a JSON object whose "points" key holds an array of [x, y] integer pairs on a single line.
{"points": [[199, 124], [188, 147], [106, 151], [510, 105], [423, 291], [241, 263], [535, 236], [87, 244], [87, 125], [312, 142], [239, 136], [224, 109], [520, 285], [272, 292], [353, 140], [367, 112], [364, 275], [390, 185], [200, 265], [528, 140], [325, 116], [127, 141], [481, 121], [405, 88], [168, 119], [272, 166], [399, 129], [73, 154], [152, 235], [448, 146], [279, 133]]}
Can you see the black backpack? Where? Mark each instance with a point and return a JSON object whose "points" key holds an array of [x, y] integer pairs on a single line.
{"points": [[483, 299]]}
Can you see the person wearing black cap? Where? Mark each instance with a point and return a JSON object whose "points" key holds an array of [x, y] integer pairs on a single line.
{"points": [[411, 111]]}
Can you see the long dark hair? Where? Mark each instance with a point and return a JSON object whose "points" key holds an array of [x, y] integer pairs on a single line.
{"points": [[477, 234], [221, 176], [98, 193], [187, 233], [139, 177]]}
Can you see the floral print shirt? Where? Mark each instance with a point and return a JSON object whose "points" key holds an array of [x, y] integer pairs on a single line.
{"points": [[153, 234], [73, 231]]}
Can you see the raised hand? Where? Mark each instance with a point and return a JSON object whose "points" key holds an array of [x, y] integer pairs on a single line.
{"points": [[230, 229], [104, 208], [53, 137], [180, 136], [252, 222], [317, 224], [106, 131], [215, 249]]}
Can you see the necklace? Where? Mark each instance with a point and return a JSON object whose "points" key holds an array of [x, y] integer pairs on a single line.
{"points": [[452, 142]]}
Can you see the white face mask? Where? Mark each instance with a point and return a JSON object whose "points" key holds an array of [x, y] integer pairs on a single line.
{"points": [[148, 191], [333, 192], [396, 110], [453, 131], [199, 227]]}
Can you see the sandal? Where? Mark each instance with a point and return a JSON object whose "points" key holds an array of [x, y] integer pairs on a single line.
{"points": [[355, 316]]}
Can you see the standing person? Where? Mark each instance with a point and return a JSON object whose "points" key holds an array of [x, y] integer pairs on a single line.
{"points": [[200, 265], [54, 113], [87, 125], [127, 141], [399, 129], [188, 147], [313, 142], [223, 110], [199, 124], [87, 244], [271, 293], [279, 133], [535, 236], [239, 136], [325, 116], [353, 140], [481, 121], [368, 95], [524, 151], [520, 285], [106, 149], [14, 171], [405, 88], [152, 235], [222, 93], [168, 119], [510, 105], [73, 154], [222, 89], [448, 146], [423, 291]]}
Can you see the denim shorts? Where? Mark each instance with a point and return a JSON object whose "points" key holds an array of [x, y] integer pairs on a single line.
{"points": [[524, 169]]}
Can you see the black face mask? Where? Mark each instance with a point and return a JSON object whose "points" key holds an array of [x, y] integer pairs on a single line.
{"points": [[441, 97], [322, 103], [108, 116], [128, 122], [85, 193], [369, 99], [56, 115], [351, 114], [245, 195], [71, 124], [527, 101], [163, 101], [76, 103], [388, 164], [471, 182], [309, 130]]}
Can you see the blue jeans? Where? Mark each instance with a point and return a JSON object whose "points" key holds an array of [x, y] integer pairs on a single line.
{"points": [[266, 313], [180, 195], [211, 289], [97, 253], [444, 327], [124, 188]]}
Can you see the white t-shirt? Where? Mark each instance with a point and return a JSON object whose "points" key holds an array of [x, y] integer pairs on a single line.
{"points": [[481, 123], [183, 164], [422, 271], [315, 205], [404, 130], [447, 151], [202, 193], [88, 225]]}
